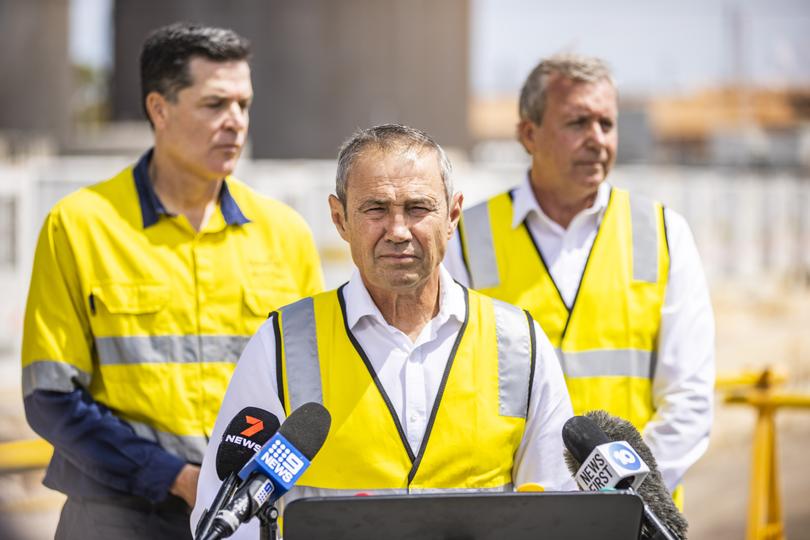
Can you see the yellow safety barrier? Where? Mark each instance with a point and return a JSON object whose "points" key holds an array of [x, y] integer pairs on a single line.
{"points": [[18, 456], [765, 520]]}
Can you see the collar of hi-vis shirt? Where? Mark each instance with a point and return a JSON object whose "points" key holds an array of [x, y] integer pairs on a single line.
{"points": [[152, 208], [524, 204], [360, 306]]}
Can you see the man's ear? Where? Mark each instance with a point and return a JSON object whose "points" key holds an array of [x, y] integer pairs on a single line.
{"points": [[456, 204], [525, 135], [157, 109], [338, 216]]}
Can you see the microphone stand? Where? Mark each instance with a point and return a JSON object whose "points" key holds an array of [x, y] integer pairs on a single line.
{"points": [[268, 519]]}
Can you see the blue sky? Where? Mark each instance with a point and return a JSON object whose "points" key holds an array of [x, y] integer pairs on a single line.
{"points": [[654, 46]]}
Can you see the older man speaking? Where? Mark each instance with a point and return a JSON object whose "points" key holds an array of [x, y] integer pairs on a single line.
{"points": [[430, 386]]}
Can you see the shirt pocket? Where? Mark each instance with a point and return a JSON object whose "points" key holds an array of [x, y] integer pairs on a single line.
{"points": [[129, 308], [261, 301]]}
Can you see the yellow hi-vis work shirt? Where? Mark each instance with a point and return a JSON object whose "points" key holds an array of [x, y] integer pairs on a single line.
{"points": [[606, 341], [477, 420], [150, 316]]}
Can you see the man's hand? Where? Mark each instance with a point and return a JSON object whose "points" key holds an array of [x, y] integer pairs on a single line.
{"points": [[185, 485]]}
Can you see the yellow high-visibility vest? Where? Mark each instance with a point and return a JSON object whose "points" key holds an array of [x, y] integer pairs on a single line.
{"points": [[476, 424], [607, 340]]}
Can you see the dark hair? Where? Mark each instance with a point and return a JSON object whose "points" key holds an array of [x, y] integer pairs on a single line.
{"points": [[167, 51]]}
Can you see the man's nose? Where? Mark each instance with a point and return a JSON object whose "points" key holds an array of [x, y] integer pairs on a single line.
{"points": [[236, 117], [398, 229], [597, 136]]}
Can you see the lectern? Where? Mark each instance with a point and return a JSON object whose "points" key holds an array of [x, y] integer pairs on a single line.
{"points": [[470, 516]]}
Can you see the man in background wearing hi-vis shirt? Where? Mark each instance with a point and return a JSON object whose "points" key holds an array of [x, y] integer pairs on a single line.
{"points": [[145, 289], [614, 278], [430, 386]]}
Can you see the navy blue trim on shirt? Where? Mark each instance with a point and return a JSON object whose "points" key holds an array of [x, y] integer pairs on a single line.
{"points": [[152, 208], [230, 210]]}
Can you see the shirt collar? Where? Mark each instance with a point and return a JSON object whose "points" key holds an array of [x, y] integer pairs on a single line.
{"points": [[525, 203], [359, 303], [152, 208]]}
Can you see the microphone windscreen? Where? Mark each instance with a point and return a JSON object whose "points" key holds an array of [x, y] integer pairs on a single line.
{"points": [[307, 427], [653, 491], [245, 435]]}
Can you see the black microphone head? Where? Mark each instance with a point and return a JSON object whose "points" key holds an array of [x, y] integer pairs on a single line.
{"points": [[653, 491], [245, 435], [307, 427], [580, 436]]}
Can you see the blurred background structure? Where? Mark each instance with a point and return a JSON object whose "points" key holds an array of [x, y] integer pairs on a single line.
{"points": [[714, 121]]}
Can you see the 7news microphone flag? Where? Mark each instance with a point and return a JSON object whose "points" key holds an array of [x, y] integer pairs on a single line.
{"points": [[275, 468], [245, 435]]}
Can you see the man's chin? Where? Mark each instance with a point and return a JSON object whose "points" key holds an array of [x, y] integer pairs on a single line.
{"points": [[592, 180], [402, 281], [223, 168]]}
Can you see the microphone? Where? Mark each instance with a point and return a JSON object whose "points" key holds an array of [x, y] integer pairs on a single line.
{"points": [[275, 468], [600, 463], [245, 435], [604, 452]]}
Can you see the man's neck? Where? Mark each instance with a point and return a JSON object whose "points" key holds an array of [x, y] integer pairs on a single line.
{"points": [[562, 207], [183, 192], [408, 311]]}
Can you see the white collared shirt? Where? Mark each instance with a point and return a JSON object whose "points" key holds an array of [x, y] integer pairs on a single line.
{"points": [[683, 388], [410, 373]]}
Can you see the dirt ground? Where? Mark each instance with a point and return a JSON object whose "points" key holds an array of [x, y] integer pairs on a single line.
{"points": [[755, 328]]}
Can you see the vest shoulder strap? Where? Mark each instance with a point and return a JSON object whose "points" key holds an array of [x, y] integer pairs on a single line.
{"points": [[644, 214], [478, 247], [299, 339], [517, 346]]}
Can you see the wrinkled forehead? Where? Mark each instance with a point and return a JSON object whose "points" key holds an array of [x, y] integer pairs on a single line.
{"points": [[396, 171], [565, 92], [558, 82]]}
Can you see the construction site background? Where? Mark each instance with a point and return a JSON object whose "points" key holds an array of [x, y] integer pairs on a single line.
{"points": [[732, 155]]}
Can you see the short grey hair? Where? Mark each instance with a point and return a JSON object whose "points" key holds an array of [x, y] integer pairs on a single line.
{"points": [[386, 137], [576, 67]]}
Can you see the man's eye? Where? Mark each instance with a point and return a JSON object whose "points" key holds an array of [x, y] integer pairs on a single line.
{"points": [[419, 210], [214, 104], [374, 210], [607, 125]]}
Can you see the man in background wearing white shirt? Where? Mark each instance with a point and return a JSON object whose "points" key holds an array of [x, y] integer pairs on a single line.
{"points": [[613, 278], [401, 354]]}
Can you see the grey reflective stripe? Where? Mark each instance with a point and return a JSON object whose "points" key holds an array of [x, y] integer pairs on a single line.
{"points": [[608, 363], [514, 359], [479, 247], [162, 349], [189, 447], [53, 376], [303, 369], [645, 239]]}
